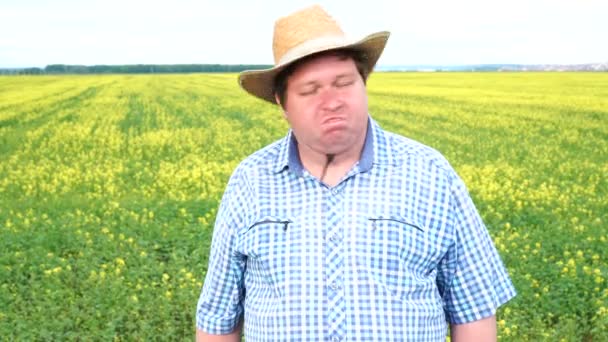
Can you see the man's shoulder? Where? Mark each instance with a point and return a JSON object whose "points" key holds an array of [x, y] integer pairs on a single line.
{"points": [[407, 150], [264, 158]]}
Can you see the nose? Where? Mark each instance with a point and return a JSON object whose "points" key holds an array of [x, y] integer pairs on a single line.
{"points": [[330, 99]]}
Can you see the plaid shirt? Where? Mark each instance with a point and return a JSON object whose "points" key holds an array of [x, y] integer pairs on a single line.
{"points": [[392, 253]]}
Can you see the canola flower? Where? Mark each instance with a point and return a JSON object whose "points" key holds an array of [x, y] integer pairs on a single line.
{"points": [[109, 187]]}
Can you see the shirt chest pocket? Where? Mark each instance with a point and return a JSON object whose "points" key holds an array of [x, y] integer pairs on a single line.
{"points": [[393, 252], [273, 246]]}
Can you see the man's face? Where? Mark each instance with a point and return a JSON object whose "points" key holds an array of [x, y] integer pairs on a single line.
{"points": [[326, 104]]}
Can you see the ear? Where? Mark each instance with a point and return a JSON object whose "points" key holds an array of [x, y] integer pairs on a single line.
{"points": [[276, 98]]}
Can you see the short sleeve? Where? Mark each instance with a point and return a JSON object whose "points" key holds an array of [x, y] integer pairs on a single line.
{"points": [[220, 305], [474, 281]]}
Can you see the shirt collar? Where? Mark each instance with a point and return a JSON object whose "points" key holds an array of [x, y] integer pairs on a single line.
{"points": [[374, 151], [367, 154]]}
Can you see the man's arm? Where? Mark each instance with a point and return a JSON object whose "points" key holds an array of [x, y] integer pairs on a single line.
{"points": [[219, 312], [472, 279], [483, 330], [234, 336]]}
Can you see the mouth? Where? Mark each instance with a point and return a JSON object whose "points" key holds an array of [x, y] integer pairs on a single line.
{"points": [[332, 120], [333, 124]]}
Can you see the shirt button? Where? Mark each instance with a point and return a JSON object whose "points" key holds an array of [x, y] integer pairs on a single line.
{"points": [[334, 238], [335, 339], [335, 191], [335, 286]]}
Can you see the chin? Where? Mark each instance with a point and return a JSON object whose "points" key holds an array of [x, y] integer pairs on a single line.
{"points": [[335, 147]]}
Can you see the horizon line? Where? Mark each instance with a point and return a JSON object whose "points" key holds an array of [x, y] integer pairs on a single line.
{"points": [[381, 66]]}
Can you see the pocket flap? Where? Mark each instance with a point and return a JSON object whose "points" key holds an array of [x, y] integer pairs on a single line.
{"points": [[403, 219], [283, 222]]}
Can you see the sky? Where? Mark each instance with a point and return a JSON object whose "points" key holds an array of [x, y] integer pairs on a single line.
{"points": [[35, 33]]}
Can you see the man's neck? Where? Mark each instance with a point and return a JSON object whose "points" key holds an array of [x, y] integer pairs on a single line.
{"points": [[329, 169]]}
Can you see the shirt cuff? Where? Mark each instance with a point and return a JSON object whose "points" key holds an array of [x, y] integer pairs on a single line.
{"points": [[475, 313]]}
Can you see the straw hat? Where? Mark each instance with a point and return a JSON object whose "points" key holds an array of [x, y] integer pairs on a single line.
{"points": [[301, 34]]}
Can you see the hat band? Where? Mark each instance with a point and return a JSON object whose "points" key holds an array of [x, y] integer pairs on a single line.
{"points": [[312, 46]]}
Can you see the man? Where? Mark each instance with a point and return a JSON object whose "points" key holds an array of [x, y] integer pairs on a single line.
{"points": [[342, 231]]}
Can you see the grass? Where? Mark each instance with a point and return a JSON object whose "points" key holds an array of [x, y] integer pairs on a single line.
{"points": [[109, 186]]}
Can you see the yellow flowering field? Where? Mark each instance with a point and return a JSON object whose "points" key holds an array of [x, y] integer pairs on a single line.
{"points": [[109, 187]]}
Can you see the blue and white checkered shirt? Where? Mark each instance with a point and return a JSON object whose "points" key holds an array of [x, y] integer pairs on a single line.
{"points": [[392, 253]]}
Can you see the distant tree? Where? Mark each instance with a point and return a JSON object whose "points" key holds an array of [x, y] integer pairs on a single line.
{"points": [[142, 68]]}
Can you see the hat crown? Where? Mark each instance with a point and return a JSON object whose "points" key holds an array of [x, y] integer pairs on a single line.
{"points": [[305, 33], [302, 26]]}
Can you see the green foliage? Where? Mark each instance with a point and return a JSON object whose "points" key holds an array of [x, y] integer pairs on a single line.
{"points": [[109, 187]]}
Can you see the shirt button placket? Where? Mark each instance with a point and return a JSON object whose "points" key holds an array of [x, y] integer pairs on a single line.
{"points": [[334, 266]]}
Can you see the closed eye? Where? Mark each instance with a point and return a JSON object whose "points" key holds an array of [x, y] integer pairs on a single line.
{"points": [[344, 83], [308, 91]]}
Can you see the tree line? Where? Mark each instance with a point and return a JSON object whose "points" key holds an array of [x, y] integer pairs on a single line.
{"points": [[55, 69]]}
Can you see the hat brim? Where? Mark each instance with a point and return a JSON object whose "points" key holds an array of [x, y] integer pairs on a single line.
{"points": [[260, 83]]}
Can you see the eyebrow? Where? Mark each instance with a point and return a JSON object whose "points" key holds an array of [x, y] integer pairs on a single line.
{"points": [[345, 75], [309, 83], [314, 82]]}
